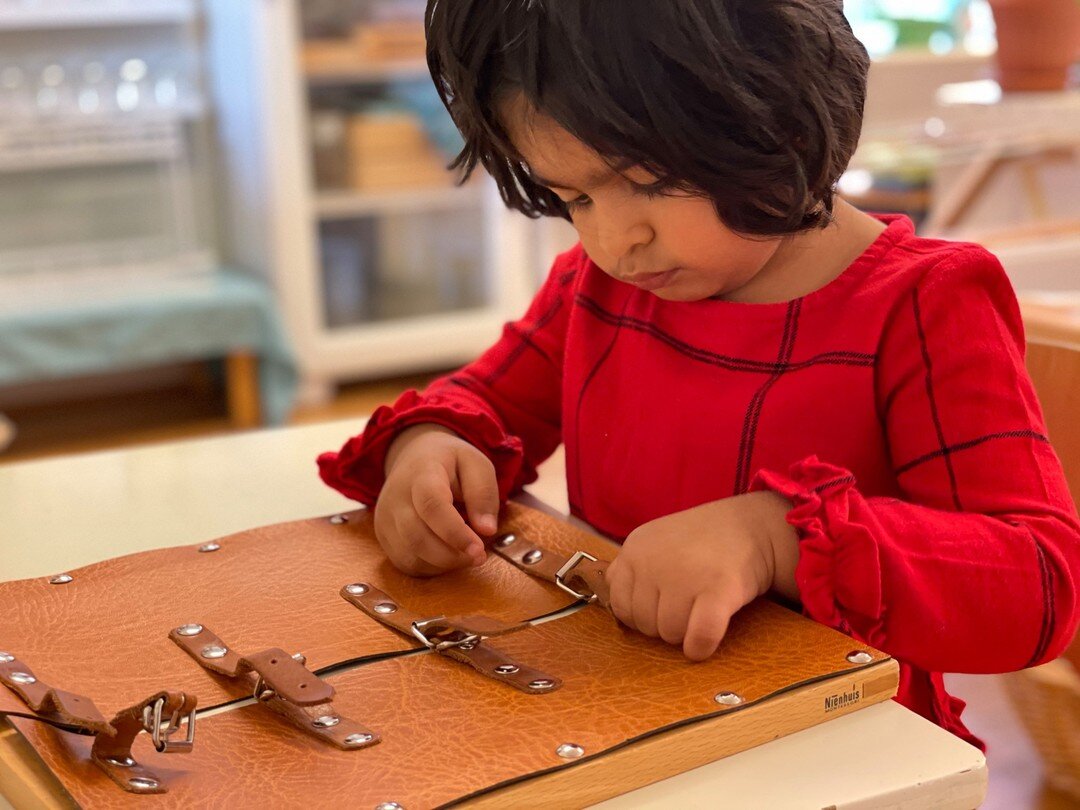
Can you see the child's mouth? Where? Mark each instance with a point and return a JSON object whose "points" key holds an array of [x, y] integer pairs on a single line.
{"points": [[654, 281]]}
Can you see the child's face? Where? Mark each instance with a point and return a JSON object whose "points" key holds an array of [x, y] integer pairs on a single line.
{"points": [[674, 246]]}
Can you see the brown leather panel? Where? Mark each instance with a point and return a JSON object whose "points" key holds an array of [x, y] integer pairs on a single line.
{"points": [[105, 633], [448, 734]]}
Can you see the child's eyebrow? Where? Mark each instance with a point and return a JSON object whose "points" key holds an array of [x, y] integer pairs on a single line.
{"points": [[595, 178]]}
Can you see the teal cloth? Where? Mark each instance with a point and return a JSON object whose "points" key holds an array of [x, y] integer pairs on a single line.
{"points": [[191, 319]]}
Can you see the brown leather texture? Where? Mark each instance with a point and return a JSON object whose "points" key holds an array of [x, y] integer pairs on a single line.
{"points": [[427, 730], [105, 634], [448, 735]]}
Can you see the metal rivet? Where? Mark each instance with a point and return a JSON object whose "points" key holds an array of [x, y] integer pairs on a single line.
{"points": [[326, 721], [61, 579], [6, 658], [143, 783], [22, 677], [385, 607], [728, 699], [189, 630], [467, 645], [506, 669], [358, 739], [570, 751], [860, 657], [208, 547], [120, 762], [337, 520], [533, 557], [389, 806], [542, 683], [505, 540], [214, 651], [356, 589]]}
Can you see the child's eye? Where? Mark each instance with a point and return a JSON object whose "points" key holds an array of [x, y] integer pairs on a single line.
{"points": [[578, 203], [650, 192]]}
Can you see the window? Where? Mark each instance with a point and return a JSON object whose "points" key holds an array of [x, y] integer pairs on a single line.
{"points": [[939, 26]]}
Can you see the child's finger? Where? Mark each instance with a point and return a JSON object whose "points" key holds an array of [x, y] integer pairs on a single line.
{"points": [[673, 616], [620, 579], [643, 606], [434, 503], [428, 548], [707, 627], [479, 491]]}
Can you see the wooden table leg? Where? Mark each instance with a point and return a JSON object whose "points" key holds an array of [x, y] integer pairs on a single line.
{"points": [[242, 389]]}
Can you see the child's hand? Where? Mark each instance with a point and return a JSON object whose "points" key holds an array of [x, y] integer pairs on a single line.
{"points": [[428, 469], [682, 577]]}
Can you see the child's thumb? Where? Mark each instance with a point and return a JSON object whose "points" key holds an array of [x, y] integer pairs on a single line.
{"points": [[480, 492]]}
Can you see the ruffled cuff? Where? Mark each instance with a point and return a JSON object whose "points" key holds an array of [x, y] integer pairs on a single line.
{"points": [[358, 469], [839, 570]]}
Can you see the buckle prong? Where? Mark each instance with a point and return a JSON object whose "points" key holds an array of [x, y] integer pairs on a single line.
{"points": [[419, 626], [563, 573], [160, 731]]}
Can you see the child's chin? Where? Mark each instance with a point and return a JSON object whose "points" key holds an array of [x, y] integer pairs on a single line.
{"points": [[682, 294]]}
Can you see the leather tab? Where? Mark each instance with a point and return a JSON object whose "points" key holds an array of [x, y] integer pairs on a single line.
{"points": [[438, 631], [325, 723], [113, 754], [290, 679], [283, 684], [206, 648], [277, 670], [54, 706], [498, 666], [457, 638], [581, 575]]}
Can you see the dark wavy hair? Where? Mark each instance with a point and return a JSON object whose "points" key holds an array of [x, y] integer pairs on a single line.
{"points": [[754, 104]]}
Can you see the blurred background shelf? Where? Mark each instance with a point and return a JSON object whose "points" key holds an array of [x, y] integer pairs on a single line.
{"points": [[23, 15], [370, 73], [332, 205]]}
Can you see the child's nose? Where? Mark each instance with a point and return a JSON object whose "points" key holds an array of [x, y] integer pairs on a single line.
{"points": [[619, 239]]}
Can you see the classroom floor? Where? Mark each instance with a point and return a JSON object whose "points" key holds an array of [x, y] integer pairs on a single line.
{"points": [[197, 409]]}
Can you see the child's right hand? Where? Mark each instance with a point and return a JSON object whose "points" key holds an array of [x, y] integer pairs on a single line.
{"points": [[428, 469]]}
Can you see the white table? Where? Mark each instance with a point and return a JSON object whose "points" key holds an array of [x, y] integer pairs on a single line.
{"points": [[187, 492]]}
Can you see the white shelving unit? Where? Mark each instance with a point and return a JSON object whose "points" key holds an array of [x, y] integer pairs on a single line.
{"points": [[277, 213], [102, 126]]}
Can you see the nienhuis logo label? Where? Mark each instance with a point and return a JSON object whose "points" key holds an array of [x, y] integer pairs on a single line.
{"points": [[843, 699]]}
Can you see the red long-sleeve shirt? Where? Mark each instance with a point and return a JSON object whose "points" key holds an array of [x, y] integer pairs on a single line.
{"points": [[891, 406]]}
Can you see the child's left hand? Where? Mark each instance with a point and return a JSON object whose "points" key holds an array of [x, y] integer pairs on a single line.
{"points": [[682, 577]]}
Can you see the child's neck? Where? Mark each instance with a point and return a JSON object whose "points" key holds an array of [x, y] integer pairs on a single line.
{"points": [[808, 261]]}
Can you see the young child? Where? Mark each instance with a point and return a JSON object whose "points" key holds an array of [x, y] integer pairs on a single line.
{"points": [[759, 388]]}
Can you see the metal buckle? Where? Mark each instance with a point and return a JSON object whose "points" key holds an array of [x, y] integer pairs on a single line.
{"points": [[570, 565], [468, 641], [161, 732]]}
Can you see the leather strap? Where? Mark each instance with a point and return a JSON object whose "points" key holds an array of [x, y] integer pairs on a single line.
{"points": [[56, 707], [581, 575], [112, 744], [283, 683], [113, 753], [459, 638]]}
